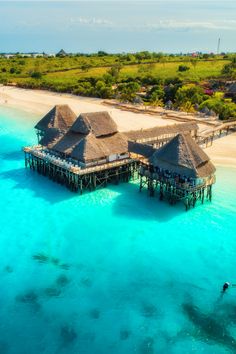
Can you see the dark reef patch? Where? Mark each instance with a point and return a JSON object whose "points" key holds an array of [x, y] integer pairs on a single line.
{"points": [[209, 327], [8, 269], [62, 280], [95, 314], [52, 292], [147, 346], [86, 282], [124, 334], [30, 298], [149, 310], [43, 258], [68, 335]]}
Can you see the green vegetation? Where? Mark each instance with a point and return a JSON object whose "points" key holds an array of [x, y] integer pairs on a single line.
{"points": [[155, 79]]}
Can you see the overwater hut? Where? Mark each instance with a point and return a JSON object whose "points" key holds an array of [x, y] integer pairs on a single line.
{"points": [[54, 124], [93, 139], [90, 153], [180, 170]]}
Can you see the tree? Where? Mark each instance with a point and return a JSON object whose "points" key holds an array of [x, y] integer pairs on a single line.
{"points": [[127, 92], [36, 75], [194, 62], [114, 71], [182, 68]]}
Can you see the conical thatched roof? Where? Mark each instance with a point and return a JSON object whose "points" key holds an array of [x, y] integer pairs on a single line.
{"points": [[93, 136], [184, 156], [98, 123], [60, 117], [50, 137], [61, 53]]}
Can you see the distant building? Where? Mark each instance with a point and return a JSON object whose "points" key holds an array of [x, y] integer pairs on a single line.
{"points": [[61, 53]]}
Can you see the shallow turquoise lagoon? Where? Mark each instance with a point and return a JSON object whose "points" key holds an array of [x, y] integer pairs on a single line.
{"points": [[112, 271]]}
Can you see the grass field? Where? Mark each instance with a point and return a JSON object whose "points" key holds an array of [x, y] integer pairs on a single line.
{"points": [[203, 70]]}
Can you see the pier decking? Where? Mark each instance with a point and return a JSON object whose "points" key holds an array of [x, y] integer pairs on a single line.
{"points": [[73, 176]]}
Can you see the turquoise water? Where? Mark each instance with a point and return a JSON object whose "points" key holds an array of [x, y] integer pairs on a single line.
{"points": [[112, 271]]}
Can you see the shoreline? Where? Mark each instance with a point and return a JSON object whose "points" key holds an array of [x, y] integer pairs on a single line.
{"points": [[38, 102]]}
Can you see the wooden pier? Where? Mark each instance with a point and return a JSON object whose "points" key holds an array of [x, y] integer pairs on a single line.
{"points": [[206, 139], [78, 179]]}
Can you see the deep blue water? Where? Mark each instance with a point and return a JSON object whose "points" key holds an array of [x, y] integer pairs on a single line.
{"points": [[112, 271]]}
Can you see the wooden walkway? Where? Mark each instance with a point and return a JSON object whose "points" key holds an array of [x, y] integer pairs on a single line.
{"points": [[206, 139]]}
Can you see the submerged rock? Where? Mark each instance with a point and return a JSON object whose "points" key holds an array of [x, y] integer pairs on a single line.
{"points": [[30, 297], [147, 346], [124, 334], [8, 269], [86, 282], [40, 257], [43, 258], [52, 292], [62, 280], [208, 328], [149, 310], [95, 314], [55, 261], [68, 335], [64, 266]]}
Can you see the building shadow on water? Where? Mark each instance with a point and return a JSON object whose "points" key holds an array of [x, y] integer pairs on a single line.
{"points": [[41, 186], [131, 203], [12, 156]]}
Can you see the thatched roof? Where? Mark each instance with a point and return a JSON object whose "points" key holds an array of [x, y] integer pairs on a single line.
{"points": [[50, 137], [184, 156], [155, 132], [91, 148], [93, 136], [141, 149], [61, 53], [87, 148], [60, 117], [97, 123]]}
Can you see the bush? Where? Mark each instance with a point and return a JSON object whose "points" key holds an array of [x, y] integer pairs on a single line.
{"points": [[36, 75], [183, 68]]}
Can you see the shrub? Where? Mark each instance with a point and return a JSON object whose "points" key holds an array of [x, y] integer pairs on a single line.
{"points": [[183, 68]]}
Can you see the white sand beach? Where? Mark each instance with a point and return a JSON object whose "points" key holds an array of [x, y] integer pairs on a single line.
{"points": [[40, 102], [223, 151]]}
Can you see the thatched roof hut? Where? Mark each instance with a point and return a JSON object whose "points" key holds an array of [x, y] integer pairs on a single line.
{"points": [[60, 117], [92, 137], [184, 156], [54, 124], [61, 53], [98, 123]]}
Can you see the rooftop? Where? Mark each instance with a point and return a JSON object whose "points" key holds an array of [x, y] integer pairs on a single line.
{"points": [[184, 156]]}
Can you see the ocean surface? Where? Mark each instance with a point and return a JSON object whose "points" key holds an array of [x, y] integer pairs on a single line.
{"points": [[113, 271]]}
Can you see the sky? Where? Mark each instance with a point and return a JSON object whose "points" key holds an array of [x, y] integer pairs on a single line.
{"points": [[171, 26]]}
